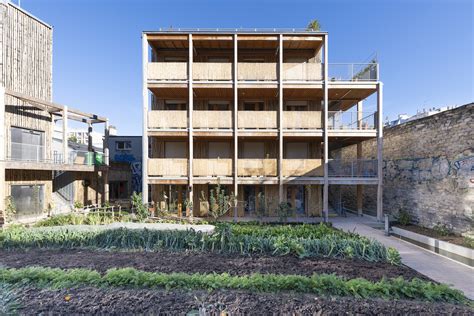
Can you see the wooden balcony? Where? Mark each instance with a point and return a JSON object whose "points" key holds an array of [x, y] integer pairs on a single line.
{"points": [[212, 119], [302, 119], [212, 167], [303, 168], [167, 71], [165, 119], [257, 119], [257, 167], [212, 71], [257, 71], [167, 167], [302, 72]]}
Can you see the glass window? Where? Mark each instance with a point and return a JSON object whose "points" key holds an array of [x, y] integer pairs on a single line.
{"points": [[118, 190], [28, 199], [27, 145], [254, 105], [296, 198], [123, 145]]}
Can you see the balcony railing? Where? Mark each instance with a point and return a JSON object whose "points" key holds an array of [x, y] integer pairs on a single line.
{"points": [[303, 168], [302, 119], [256, 167], [353, 72], [167, 119], [212, 167], [212, 71], [175, 167], [341, 120], [167, 71], [257, 119], [212, 119], [357, 168], [302, 72], [257, 71]]}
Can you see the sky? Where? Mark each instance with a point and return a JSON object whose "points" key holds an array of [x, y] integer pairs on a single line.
{"points": [[424, 47]]}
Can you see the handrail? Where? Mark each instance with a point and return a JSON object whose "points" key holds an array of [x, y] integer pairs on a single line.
{"points": [[238, 30]]}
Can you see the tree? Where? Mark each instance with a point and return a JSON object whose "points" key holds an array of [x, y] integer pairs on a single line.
{"points": [[313, 25], [73, 139]]}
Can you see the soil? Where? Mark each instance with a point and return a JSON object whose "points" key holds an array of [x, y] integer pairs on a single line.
{"points": [[202, 262], [120, 301], [451, 238]]}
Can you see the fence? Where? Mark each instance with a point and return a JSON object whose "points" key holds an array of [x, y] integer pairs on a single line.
{"points": [[353, 72], [351, 120], [357, 168]]}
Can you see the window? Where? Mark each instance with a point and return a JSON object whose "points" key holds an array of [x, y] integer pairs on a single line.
{"points": [[253, 150], [175, 59], [123, 145], [218, 105], [254, 59], [175, 105], [219, 150], [28, 199], [27, 145], [175, 150], [296, 151], [296, 198], [254, 105], [118, 190], [296, 105], [218, 59]]}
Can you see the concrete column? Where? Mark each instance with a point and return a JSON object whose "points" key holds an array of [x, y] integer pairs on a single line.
{"points": [[3, 188], [106, 160], [145, 119], [379, 151], [280, 119], [325, 132], [236, 136], [360, 191], [65, 138], [190, 124], [360, 114]]}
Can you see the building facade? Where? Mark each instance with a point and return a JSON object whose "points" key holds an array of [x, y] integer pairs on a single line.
{"points": [[258, 112], [37, 176]]}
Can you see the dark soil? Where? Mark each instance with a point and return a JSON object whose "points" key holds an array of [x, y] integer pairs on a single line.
{"points": [[116, 301], [203, 262], [451, 238]]}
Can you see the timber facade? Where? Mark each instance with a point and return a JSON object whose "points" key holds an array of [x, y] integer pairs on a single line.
{"points": [[36, 177], [258, 112]]}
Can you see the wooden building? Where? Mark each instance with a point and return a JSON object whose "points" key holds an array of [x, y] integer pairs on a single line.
{"points": [[35, 179], [258, 111]]}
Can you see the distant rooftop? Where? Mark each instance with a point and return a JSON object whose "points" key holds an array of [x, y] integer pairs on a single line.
{"points": [[235, 30]]}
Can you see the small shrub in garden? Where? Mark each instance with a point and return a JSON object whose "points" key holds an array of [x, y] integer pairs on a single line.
{"points": [[393, 256], [141, 209], [404, 217]]}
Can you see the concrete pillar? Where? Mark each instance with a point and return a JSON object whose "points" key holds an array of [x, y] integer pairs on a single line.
{"points": [[2, 152], [235, 119], [280, 119], [145, 119], [190, 124], [360, 114], [106, 161], [65, 138], [360, 190], [325, 132], [379, 151]]}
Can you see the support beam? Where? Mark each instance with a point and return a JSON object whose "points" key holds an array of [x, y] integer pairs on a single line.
{"points": [[65, 138], [2, 155], [280, 119], [145, 119], [325, 132], [190, 124], [235, 119], [379, 151]]}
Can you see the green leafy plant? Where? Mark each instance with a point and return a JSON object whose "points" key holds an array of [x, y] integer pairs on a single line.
{"points": [[404, 217], [393, 256], [9, 301], [283, 211], [219, 202], [313, 25], [10, 208], [78, 205], [442, 229], [141, 210]]}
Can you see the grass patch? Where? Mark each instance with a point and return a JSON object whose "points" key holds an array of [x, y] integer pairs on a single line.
{"points": [[224, 239], [317, 284]]}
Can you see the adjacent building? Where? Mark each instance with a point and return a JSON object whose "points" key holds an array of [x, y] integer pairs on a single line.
{"points": [[39, 173], [259, 112]]}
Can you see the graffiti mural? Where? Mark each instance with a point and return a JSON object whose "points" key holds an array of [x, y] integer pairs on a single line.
{"points": [[136, 176]]}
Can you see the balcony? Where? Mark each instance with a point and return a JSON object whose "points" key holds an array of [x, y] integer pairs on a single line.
{"points": [[302, 120], [212, 119], [356, 168], [212, 167], [339, 120], [167, 167], [164, 119], [167, 71], [302, 72], [257, 167], [257, 71], [257, 119], [303, 168], [361, 72], [212, 71]]}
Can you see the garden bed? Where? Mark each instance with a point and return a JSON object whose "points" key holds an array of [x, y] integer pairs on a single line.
{"points": [[119, 301], [443, 236], [203, 262]]}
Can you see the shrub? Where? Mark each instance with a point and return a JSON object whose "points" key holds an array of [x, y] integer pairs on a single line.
{"points": [[141, 209], [393, 256], [283, 211], [442, 229], [404, 217], [317, 284]]}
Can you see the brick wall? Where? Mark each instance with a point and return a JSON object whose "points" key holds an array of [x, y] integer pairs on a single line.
{"points": [[428, 170]]}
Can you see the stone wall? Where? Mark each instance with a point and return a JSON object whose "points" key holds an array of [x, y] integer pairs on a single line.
{"points": [[428, 170]]}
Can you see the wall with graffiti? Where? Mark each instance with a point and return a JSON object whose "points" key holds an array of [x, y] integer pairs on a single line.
{"points": [[428, 170], [128, 149]]}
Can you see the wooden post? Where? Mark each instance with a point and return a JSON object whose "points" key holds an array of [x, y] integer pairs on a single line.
{"points": [[145, 119], [325, 133], [280, 119], [65, 138], [190, 124], [236, 136], [379, 151], [2, 153]]}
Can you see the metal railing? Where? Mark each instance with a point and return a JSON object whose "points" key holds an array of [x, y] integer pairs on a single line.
{"points": [[27, 152], [356, 168], [351, 120], [238, 30], [353, 71]]}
